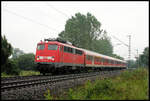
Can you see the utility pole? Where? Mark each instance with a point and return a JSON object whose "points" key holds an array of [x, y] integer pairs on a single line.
{"points": [[137, 58], [129, 50]]}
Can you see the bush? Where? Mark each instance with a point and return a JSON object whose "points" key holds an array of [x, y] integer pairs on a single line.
{"points": [[47, 95], [6, 75], [130, 85], [26, 61], [11, 67]]}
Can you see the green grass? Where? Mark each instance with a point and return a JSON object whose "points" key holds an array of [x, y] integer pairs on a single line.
{"points": [[28, 73], [6, 75], [22, 73], [128, 86]]}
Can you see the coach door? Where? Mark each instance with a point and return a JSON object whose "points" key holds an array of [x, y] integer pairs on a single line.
{"points": [[92, 60]]}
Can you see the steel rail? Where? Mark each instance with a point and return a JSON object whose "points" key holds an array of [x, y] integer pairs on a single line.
{"points": [[52, 79]]}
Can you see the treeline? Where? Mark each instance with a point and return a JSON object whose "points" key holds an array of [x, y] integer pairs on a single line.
{"points": [[85, 31], [14, 60], [141, 61]]}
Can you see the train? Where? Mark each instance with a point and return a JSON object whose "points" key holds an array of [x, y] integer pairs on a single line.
{"points": [[58, 56]]}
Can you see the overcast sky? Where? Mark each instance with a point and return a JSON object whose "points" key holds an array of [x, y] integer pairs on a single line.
{"points": [[25, 23]]}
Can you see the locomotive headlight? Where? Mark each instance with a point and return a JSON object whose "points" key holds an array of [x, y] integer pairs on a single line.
{"points": [[37, 57], [53, 58]]}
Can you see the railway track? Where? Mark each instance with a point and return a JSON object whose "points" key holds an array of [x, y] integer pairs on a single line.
{"points": [[34, 87], [7, 79], [38, 80]]}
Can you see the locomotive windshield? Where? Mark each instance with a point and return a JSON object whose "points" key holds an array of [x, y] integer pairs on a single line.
{"points": [[40, 46], [52, 47]]}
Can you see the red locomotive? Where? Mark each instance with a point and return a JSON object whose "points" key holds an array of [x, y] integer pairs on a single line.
{"points": [[58, 56]]}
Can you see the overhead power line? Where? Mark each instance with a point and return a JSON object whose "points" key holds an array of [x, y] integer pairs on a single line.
{"points": [[125, 45], [120, 40], [58, 10], [29, 19]]}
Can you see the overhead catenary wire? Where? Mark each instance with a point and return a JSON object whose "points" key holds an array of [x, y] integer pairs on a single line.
{"points": [[122, 43], [29, 19], [120, 40], [57, 10]]}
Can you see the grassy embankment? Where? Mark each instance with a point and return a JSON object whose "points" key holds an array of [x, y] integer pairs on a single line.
{"points": [[128, 86], [22, 73]]}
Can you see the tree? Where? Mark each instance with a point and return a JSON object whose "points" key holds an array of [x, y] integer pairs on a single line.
{"points": [[144, 58], [81, 30], [6, 51], [85, 31], [26, 61], [133, 64], [117, 56], [103, 45], [16, 53], [8, 65], [12, 67]]}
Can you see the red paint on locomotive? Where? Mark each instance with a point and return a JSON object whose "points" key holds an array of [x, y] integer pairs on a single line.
{"points": [[59, 54]]}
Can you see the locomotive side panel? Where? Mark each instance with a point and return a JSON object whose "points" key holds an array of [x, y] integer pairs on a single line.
{"points": [[68, 56], [73, 56]]}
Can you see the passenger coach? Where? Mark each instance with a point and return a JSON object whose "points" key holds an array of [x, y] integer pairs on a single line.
{"points": [[93, 59]]}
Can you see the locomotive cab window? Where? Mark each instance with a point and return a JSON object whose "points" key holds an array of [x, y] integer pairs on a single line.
{"points": [[78, 52], [52, 47], [40, 46]]}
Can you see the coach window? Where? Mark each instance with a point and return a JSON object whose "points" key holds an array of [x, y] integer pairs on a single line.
{"points": [[117, 62], [112, 61], [105, 60], [87, 57], [52, 47], [73, 50], [91, 58], [102, 60], [108, 61], [95, 59], [40, 46]]}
